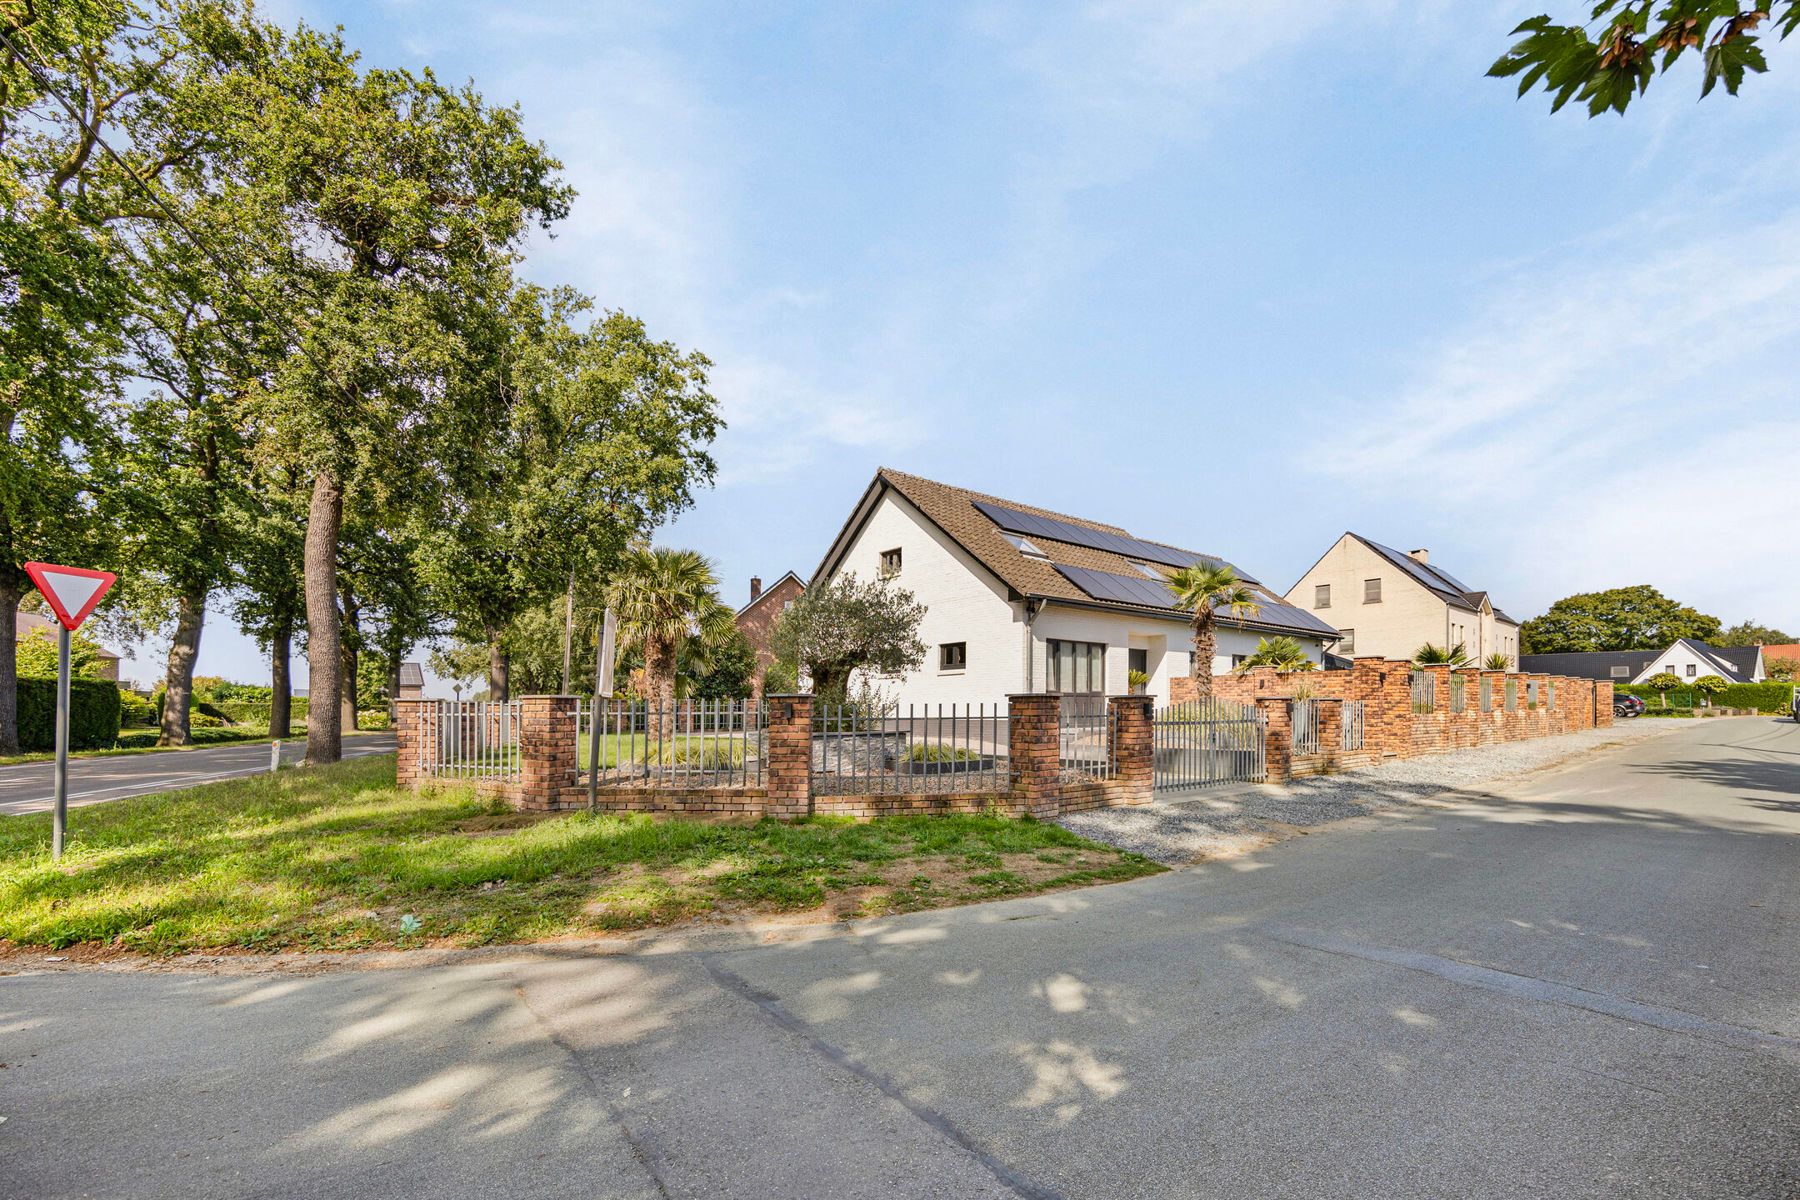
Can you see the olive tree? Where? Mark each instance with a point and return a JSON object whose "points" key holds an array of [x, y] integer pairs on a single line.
{"points": [[846, 626]]}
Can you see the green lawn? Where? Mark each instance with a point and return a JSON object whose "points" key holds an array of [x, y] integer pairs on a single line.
{"points": [[338, 858]]}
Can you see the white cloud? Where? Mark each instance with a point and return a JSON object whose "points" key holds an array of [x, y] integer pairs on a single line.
{"points": [[1608, 416]]}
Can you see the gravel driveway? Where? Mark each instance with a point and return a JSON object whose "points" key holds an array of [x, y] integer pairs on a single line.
{"points": [[1185, 827]]}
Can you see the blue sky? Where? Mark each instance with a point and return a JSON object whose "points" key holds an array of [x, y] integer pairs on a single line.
{"points": [[1232, 282]]}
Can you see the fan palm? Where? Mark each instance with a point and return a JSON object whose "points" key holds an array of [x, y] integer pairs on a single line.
{"points": [[1282, 653], [1429, 655], [1205, 590], [664, 598]]}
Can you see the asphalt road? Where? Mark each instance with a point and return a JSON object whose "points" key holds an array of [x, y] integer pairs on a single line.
{"points": [[1586, 983], [28, 787]]}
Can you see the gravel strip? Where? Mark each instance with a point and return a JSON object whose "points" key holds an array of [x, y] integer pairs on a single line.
{"points": [[1187, 827]]}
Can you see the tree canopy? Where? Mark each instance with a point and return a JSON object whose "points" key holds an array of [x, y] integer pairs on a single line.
{"points": [[1628, 618], [1610, 61], [1751, 633], [850, 625]]}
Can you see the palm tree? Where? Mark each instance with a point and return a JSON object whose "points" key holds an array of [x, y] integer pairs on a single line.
{"points": [[1497, 662], [1205, 590], [1429, 655], [664, 598], [1282, 653]]}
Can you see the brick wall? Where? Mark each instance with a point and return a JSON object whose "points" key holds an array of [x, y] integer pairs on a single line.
{"points": [[549, 776]]}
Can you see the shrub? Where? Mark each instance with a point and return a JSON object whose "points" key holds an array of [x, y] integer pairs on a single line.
{"points": [[940, 752], [1763, 697], [93, 714], [372, 718], [135, 711], [200, 719]]}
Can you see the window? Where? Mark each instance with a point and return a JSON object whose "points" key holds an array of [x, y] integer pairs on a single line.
{"points": [[1371, 591], [1237, 660], [890, 563], [1621, 672], [1075, 666], [1347, 643], [1024, 547], [1321, 595], [953, 656], [1138, 660], [1691, 670]]}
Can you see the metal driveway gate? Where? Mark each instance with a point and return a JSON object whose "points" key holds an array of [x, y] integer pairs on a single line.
{"points": [[1205, 742]]}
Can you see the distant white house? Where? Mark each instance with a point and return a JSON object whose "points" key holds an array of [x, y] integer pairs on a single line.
{"points": [[1021, 599], [1686, 659]]}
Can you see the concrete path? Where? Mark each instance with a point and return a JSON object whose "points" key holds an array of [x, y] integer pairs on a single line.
{"points": [[28, 787], [1585, 983]]}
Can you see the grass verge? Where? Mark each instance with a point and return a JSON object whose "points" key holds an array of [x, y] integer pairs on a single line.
{"points": [[338, 858], [143, 741]]}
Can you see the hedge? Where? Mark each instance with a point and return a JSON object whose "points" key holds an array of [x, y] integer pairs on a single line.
{"points": [[93, 714], [1763, 697]]}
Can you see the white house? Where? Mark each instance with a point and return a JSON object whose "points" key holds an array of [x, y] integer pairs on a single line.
{"points": [[1687, 659], [1021, 599]]}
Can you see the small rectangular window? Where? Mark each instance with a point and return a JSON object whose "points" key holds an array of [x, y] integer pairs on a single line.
{"points": [[890, 563], [1347, 644], [1371, 591], [1691, 670], [1322, 595], [1621, 672], [953, 656]]}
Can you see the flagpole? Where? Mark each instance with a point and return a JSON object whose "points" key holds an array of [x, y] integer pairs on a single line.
{"points": [[60, 821]]}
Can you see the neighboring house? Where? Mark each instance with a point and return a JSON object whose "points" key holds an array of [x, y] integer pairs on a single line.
{"points": [[1773, 654], [411, 682], [1021, 599], [757, 620], [1387, 603], [1687, 660], [27, 622]]}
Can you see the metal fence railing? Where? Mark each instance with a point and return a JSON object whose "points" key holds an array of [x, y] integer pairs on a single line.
{"points": [[1531, 693], [1512, 694], [1459, 693], [1487, 694], [1086, 737], [858, 750], [1205, 742], [1304, 717], [692, 743], [472, 739], [1351, 732], [1424, 692]]}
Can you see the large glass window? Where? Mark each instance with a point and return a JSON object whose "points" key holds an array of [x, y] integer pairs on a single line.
{"points": [[1076, 667]]}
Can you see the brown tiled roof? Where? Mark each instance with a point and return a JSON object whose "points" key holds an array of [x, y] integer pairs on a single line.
{"points": [[953, 510]]}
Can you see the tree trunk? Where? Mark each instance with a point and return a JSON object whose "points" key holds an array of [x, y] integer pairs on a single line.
{"points": [[499, 665], [10, 595], [1205, 644], [393, 686], [178, 682], [281, 705], [347, 689], [324, 648]]}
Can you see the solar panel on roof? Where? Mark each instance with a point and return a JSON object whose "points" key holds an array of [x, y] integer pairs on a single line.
{"points": [[1124, 589], [1014, 521]]}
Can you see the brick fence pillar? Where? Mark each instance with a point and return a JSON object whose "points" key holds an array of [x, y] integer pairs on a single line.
{"points": [[1331, 728], [1603, 702], [415, 741], [1133, 779], [1278, 738], [788, 774], [1035, 750], [546, 751]]}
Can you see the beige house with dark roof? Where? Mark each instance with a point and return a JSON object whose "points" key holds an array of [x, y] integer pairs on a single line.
{"points": [[1022, 599], [1390, 603], [26, 624]]}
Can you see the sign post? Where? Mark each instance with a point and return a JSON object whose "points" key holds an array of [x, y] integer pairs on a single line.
{"points": [[72, 593], [603, 690]]}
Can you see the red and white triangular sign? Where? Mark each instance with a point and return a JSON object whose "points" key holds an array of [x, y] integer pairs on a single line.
{"points": [[71, 592]]}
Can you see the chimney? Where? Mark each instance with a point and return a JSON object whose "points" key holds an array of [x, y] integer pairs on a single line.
{"points": [[755, 587], [1419, 556]]}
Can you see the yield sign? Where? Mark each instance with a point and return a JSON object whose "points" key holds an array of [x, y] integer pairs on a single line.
{"points": [[71, 591]]}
